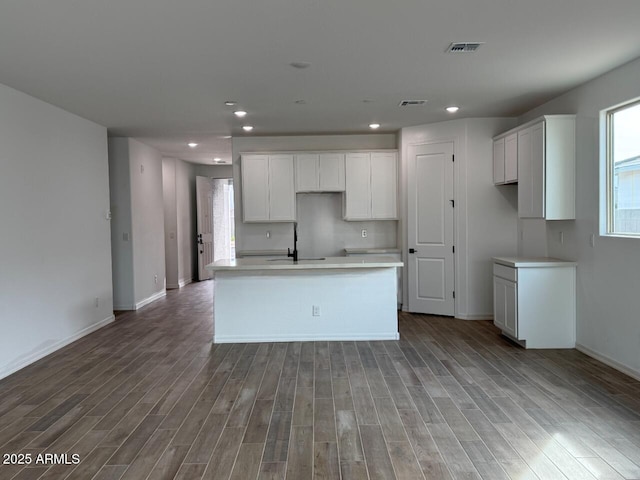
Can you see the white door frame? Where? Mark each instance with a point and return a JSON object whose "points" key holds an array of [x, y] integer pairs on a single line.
{"points": [[458, 215]]}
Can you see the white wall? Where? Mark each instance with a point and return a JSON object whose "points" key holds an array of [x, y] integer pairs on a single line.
{"points": [[145, 164], [146, 210], [54, 248], [185, 202], [485, 215], [608, 274], [317, 215], [170, 221], [121, 246]]}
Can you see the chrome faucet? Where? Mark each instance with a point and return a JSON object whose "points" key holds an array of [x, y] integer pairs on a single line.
{"points": [[294, 254]]}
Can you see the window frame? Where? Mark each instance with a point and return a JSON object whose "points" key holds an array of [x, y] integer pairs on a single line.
{"points": [[609, 206]]}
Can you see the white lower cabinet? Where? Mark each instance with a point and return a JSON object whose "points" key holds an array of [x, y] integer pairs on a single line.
{"points": [[534, 301]]}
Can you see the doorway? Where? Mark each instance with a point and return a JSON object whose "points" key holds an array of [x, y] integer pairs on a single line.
{"points": [[430, 225], [215, 217]]}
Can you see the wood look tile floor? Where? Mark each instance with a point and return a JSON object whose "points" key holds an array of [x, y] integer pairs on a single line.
{"points": [[150, 397]]}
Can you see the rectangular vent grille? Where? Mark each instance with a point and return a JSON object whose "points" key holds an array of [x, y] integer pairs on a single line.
{"points": [[464, 47], [407, 103]]}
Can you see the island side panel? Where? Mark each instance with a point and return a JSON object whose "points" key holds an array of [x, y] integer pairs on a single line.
{"points": [[277, 306]]}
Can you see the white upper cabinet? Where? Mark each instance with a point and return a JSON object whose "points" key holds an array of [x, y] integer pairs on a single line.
{"points": [[384, 186], [282, 195], [268, 193], [255, 188], [498, 161], [357, 201], [331, 167], [307, 174], [505, 159], [371, 186], [511, 158], [322, 172], [545, 171]]}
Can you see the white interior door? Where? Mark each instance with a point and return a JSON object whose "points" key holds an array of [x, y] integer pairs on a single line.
{"points": [[430, 259], [204, 213]]}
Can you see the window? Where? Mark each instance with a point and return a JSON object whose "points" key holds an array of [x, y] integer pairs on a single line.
{"points": [[623, 170]]}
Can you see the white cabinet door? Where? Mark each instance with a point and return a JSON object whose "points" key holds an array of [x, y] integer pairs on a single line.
{"points": [[307, 172], [357, 202], [505, 301], [531, 172], [511, 309], [282, 196], [511, 158], [331, 172], [525, 174], [499, 302], [384, 190], [537, 171], [498, 161], [255, 188]]}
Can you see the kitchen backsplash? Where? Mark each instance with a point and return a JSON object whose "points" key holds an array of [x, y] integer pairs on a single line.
{"points": [[321, 230]]}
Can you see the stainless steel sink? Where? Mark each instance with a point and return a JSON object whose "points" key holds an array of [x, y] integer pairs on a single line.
{"points": [[291, 260]]}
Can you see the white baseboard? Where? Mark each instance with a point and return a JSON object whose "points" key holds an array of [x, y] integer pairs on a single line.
{"points": [[7, 370], [305, 338], [173, 286], [481, 316], [120, 308], [609, 361], [152, 298], [184, 282]]}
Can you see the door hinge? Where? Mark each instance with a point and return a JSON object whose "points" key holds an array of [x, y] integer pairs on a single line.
{"points": [[454, 294], [453, 158], [453, 249], [453, 203]]}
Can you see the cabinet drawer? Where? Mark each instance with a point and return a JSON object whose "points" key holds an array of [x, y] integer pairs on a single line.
{"points": [[507, 273]]}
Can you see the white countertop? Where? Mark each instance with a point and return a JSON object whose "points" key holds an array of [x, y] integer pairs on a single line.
{"points": [[374, 251], [530, 262], [260, 264]]}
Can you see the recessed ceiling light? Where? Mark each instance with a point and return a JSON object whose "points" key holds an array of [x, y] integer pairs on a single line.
{"points": [[240, 113], [230, 103], [300, 65], [192, 144], [374, 125], [452, 109], [247, 128]]}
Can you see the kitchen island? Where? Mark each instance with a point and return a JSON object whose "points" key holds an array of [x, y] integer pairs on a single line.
{"points": [[278, 300]]}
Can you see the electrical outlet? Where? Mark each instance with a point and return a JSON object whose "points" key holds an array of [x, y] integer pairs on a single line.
{"points": [[592, 240], [364, 233], [141, 168], [97, 302], [268, 234], [561, 238], [155, 278], [315, 310]]}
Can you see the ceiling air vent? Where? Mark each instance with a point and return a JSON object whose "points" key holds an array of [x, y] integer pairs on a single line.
{"points": [[463, 47], [408, 103]]}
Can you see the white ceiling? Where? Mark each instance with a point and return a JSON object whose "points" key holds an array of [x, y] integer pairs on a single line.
{"points": [[160, 70]]}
